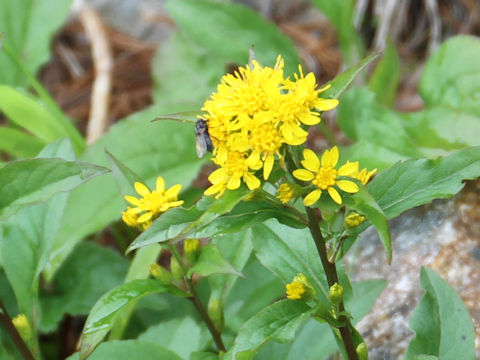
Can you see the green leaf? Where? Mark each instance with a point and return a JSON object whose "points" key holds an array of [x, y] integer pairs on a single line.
{"points": [[28, 34], [278, 322], [180, 223], [128, 350], [384, 80], [341, 14], [99, 321], [229, 30], [442, 323], [361, 118], [143, 149], [287, 252], [204, 356], [26, 241], [365, 204], [248, 213], [340, 83], [237, 249], [183, 70], [32, 181], [364, 295], [416, 182], [88, 273], [211, 261], [124, 176], [183, 335], [18, 143], [27, 112]]}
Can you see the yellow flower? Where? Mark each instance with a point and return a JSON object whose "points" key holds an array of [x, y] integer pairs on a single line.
{"points": [[295, 290], [300, 288], [23, 326], [285, 193], [151, 203], [354, 219], [231, 173], [365, 175], [324, 176]]}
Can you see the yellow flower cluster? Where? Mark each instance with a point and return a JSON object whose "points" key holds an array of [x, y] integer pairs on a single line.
{"points": [[151, 203], [253, 113], [324, 176], [300, 288]]}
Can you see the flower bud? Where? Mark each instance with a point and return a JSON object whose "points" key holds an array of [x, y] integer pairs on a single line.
{"points": [[190, 249], [300, 288], [215, 311], [287, 192], [175, 269], [23, 326], [362, 351], [354, 219], [161, 274], [335, 294]]}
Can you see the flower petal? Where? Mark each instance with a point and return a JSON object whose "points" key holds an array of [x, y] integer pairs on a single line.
{"points": [[160, 185], [132, 200], [304, 175], [172, 193], [347, 186], [326, 104], [312, 198], [233, 183], [335, 195], [330, 157], [310, 161], [145, 217], [349, 169], [251, 181], [217, 176], [268, 166], [141, 189]]}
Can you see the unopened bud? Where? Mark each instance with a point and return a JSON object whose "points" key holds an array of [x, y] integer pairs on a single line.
{"points": [[175, 269], [362, 351], [335, 294], [161, 274], [215, 311], [354, 219], [190, 249], [23, 326]]}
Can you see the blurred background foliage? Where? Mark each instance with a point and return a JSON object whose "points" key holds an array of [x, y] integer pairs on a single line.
{"points": [[420, 98]]}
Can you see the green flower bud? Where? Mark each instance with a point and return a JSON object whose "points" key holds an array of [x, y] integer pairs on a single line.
{"points": [[190, 249], [335, 293], [23, 327], [175, 269], [215, 311], [161, 274], [362, 351]]}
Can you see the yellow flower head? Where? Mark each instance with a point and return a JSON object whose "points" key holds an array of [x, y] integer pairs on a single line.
{"points": [[300, 288], [354, 219], [151, 203], [253, 113], [365, 175], [324, 176], [286, 192], [231, 173]]}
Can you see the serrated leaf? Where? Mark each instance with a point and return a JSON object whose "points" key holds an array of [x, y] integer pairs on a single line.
{"points": [[365, 204], [145, 153], [30, 181], [128, 350], [340, 83], [228, 30], [179, 223], [416, 182], [100, 319], [442, 323], [278, 322], [211, 261], [385, 78], [287, 252]]}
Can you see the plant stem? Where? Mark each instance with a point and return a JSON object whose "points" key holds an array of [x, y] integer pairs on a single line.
{"points": [[332, 278], [12, 331], [195, 299]]}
